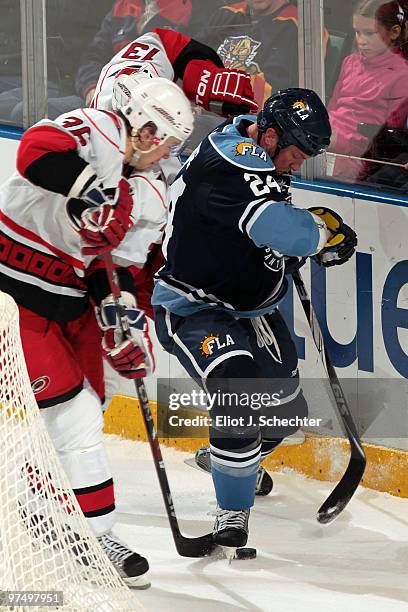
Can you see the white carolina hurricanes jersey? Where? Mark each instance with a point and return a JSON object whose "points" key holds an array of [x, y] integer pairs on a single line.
{"points": [[147, 49], [41, 263], [150, 214], [39, 216]]}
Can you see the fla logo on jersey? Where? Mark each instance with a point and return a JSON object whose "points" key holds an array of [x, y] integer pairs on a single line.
{"points": [[213, 343], [248, 147]]}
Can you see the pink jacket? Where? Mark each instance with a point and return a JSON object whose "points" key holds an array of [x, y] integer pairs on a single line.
{"points": [[368, 90]]}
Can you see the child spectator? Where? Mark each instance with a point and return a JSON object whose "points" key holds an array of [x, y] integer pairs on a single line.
{"points": [[372, 82]]}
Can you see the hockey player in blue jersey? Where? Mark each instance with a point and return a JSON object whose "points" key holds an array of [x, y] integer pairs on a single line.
{"points": [[231, 227]]}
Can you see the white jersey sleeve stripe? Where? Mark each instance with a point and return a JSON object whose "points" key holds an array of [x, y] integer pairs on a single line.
{"points": [[102, 133], [159, 195], [247, 212], [256, 215], [324, 233], [27, 236], [43, 284]]}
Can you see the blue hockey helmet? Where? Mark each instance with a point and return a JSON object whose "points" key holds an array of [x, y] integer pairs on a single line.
{"points": [[300, 118]]}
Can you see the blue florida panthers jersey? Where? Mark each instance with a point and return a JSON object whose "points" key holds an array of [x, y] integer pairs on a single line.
{"points": [[230, 223]]}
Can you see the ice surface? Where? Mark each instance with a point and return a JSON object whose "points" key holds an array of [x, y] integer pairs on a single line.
{"points": [[359, 563]]}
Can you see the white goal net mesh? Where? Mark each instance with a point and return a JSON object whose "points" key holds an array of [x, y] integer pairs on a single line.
{"points": [[45, 541]]}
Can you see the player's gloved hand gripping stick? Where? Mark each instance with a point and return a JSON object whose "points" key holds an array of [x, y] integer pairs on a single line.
{"points": [[133, 356], [341, 246], [102, 217], [186, 547]]}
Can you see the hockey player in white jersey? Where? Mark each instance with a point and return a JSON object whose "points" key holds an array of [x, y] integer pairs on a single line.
{"points": [[205, 81], [69, 202], [172, 55], [168, 54]]}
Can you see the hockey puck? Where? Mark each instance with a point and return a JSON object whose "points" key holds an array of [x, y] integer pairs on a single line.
{"points": [[245, 553]]}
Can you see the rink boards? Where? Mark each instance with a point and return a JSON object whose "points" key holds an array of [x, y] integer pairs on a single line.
{"points": [[363, 309]]}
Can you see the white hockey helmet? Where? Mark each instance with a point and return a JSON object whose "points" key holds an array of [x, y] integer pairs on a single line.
{"points": [[144, 98]]}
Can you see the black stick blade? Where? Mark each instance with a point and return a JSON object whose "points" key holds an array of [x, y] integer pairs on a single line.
{"points": [[195, 547], [343, 492]]}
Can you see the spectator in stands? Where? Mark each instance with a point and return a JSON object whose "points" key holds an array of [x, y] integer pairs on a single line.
{"points": [[259, 37], [372, 82], [127, 20], [202, 10], [389, 145], [193, 13], [70, 26]]}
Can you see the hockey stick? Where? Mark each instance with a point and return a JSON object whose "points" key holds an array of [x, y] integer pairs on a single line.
{"points": [[345, 489], [373, 161], [186, 547]]}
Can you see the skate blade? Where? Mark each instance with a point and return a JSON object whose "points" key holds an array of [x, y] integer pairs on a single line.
{"points": [[137, 582], [230, 553], [192, 463]]}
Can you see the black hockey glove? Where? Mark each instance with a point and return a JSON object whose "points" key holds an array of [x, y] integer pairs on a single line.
{"points": [[341, 245]]}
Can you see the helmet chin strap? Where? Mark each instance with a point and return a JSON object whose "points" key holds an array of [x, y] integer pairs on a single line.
{"points": [[138, 150], [142, 159]]}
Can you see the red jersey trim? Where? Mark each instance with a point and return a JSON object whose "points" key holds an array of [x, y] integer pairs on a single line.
{"points": [[118, 123], [38, 141], [94, 103], [139, 176], [288, 18], [29, 235], [102, 133], [173, 42]]}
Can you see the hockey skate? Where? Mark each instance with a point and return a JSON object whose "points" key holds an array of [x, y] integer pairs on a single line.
{"points": [[231, 530], [264, 482], [131, 567]]}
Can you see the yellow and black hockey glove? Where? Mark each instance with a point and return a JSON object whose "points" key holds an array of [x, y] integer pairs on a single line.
{"points": [[341, 246]]}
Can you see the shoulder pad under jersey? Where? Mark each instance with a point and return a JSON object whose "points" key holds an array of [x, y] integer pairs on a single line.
{"points": [[239, 150]]}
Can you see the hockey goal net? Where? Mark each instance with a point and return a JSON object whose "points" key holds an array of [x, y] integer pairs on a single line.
{"points": [[45, 542]]}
